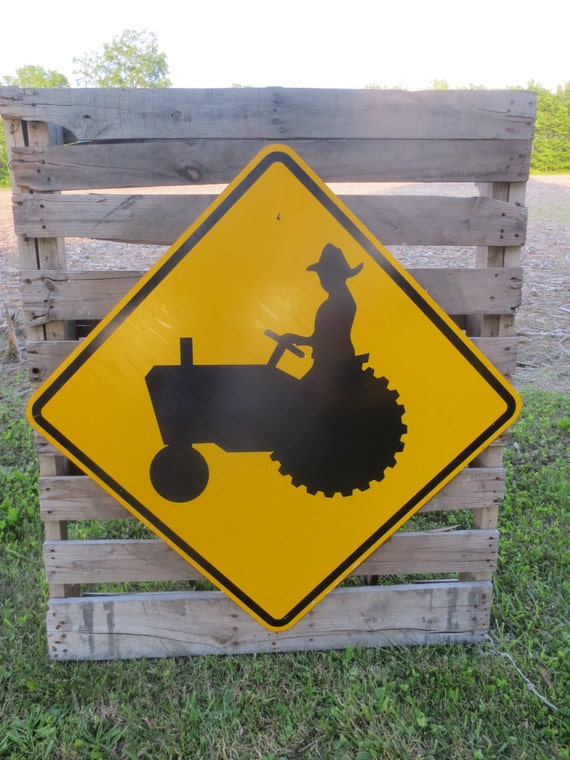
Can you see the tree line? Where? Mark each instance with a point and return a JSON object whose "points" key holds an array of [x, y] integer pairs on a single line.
{"points": [[133, 59]]}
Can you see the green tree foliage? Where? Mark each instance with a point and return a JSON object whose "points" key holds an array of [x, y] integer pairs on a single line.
{"points": [[551, 145], [374, 86], [439, 84], [26, 76], [36, 76], [130, 60]]}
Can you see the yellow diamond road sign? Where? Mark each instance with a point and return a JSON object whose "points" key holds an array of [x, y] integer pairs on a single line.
{"points": [[276, 396]]}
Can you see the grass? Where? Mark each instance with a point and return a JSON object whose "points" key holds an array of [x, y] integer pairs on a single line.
{"points": [[507, 698]]}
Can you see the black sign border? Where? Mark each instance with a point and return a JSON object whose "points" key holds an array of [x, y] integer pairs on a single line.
{"points": [[275, 156]]}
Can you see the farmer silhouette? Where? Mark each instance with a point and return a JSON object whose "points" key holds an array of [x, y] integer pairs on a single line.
{"points": [[331, 343], [343, 426]]}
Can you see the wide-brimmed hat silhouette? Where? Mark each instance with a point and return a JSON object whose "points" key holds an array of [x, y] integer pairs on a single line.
{"points": [[332, 262]]}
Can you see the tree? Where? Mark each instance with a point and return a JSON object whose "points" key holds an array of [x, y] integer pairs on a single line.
{"points": [[374, 86], [131, 60], [26, 76], [551, 144], [439, 84], [35, 76]]}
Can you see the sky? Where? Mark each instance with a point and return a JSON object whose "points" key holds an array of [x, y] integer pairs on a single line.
{"points": [[306, 43]]}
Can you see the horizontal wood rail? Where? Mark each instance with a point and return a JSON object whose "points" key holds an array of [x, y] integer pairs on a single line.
{"points": [[115, 561], [182, 623], [275, 113], [80, 498], [44, 357], [161, 219], [49, 296], [157, 163]]}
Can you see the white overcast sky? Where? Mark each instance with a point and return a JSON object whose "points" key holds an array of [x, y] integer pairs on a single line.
{"points": [[306, 43]]}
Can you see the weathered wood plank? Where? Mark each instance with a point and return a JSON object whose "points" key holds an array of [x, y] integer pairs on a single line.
{"points": [[80, 498], [501, 352], [202, 162], [44, 357], [53, 295], [276, 113], [466, 291], [504, 256], [49, 253], [77, 295], [199, 623], [153, 560], [161, 219], [125, 218]]}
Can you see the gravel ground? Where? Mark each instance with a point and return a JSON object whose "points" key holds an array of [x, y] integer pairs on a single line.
{"points": [[543, 321]]}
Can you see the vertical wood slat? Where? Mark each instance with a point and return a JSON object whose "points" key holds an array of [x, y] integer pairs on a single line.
{"points": [[501, 325], [48, 253]]}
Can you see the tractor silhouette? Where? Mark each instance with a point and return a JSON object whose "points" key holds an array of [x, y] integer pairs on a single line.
{"points": [[334, 430]]}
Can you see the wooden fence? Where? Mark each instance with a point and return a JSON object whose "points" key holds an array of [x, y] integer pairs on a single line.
{"points": [[64, 142]]}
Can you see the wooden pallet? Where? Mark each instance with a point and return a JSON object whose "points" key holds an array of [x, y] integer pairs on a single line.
{"points": [[112, 143]]}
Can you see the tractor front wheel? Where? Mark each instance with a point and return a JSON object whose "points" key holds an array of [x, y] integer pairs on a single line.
{"points": [[179, 473]]}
